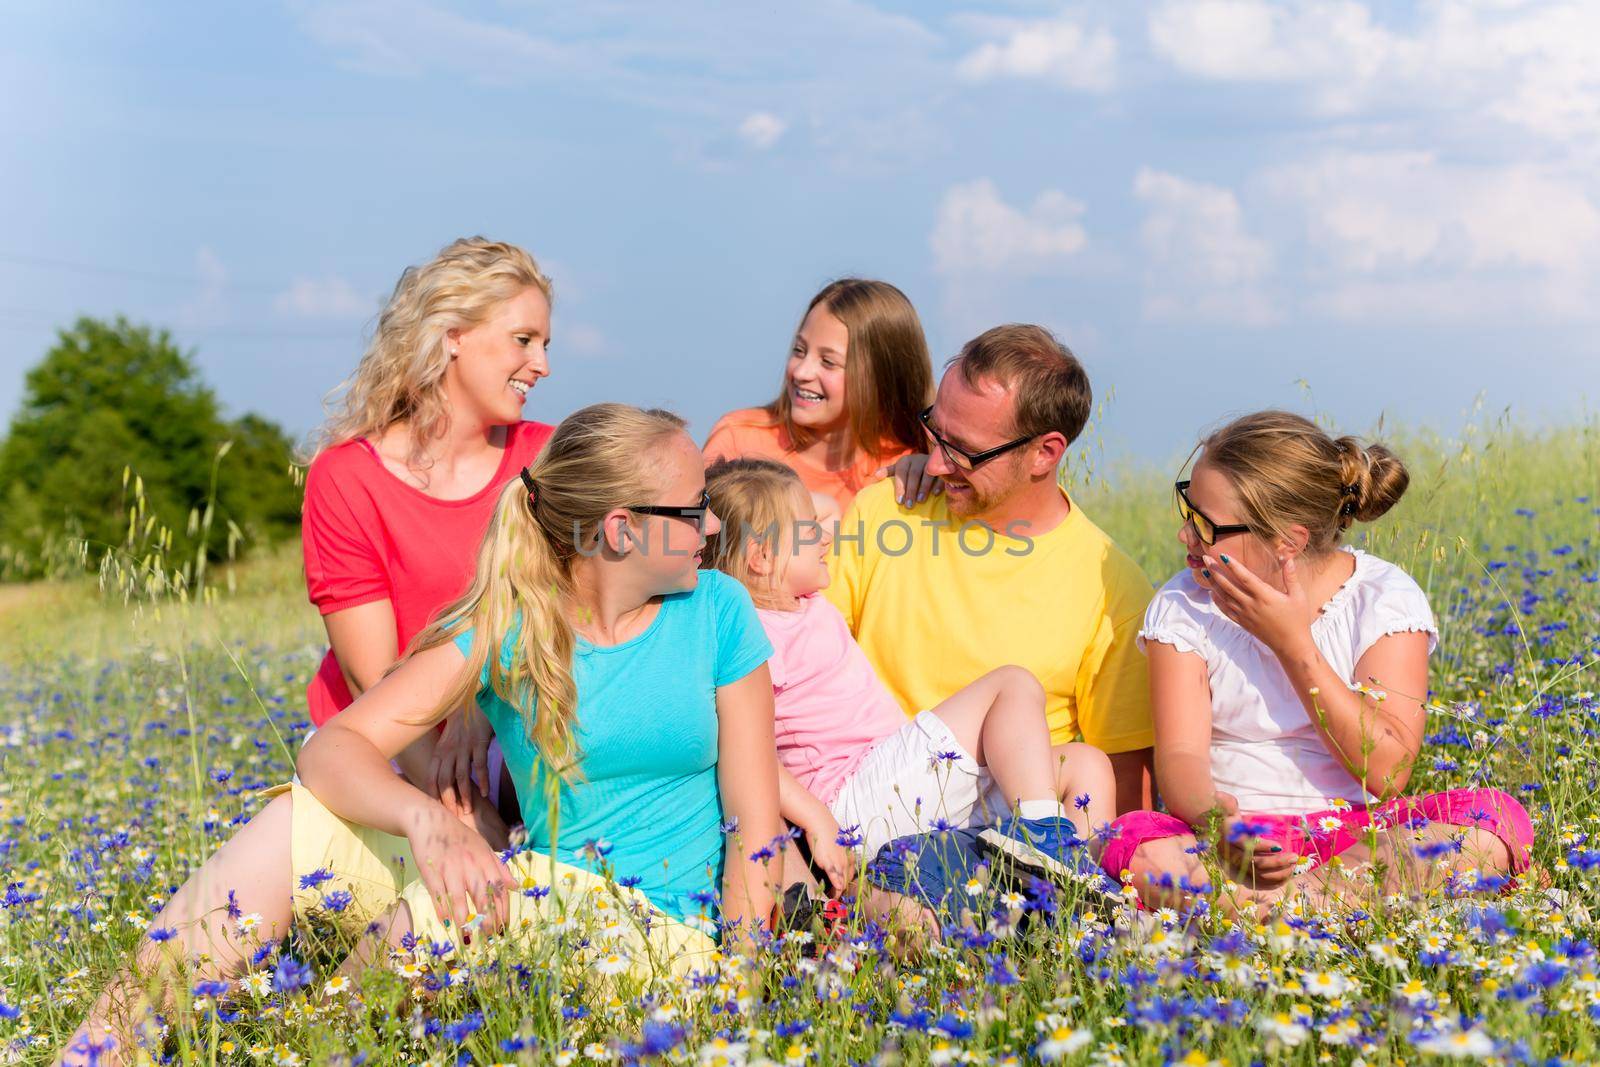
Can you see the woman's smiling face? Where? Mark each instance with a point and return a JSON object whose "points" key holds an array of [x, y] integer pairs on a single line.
{"points": [[498, 361]]}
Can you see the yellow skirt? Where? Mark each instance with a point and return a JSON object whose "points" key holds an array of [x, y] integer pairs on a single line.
{"points": [[625, 932]]}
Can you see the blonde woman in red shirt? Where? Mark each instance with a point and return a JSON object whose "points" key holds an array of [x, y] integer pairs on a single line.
{"points": [[420, 441]]}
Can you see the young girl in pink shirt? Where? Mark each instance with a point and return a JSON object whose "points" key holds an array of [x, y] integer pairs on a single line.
{"points": [[849, 758]]}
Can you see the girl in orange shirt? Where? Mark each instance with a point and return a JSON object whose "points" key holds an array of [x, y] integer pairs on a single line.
{"points": [[857, 375]]}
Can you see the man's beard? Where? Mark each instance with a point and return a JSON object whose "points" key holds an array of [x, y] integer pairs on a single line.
{"points": [[976, 501]]}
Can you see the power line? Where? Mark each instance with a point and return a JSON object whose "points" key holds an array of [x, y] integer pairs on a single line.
{"points": [[136, 275], [33, 321]]}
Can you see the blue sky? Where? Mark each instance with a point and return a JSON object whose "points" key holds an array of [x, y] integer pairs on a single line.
{"points": [[1366, 210]]}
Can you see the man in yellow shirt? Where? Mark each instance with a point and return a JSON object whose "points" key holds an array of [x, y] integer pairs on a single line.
{"points": [[1003, 567]]}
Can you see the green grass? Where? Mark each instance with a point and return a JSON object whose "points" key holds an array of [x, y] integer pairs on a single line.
{"points": [[133, 737]]}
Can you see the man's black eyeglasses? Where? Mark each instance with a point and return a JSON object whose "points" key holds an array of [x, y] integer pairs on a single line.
{"points": [[697, 512], [959, 457], [1204, 527]]}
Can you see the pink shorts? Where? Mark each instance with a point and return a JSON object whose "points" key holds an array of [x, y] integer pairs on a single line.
{"points": [[1306, 835]]}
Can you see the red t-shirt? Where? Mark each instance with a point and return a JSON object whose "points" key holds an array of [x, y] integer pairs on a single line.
{"points": [[369, 536]]}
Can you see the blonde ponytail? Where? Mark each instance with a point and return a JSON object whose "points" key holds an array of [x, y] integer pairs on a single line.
{"points": [[523, 582]]}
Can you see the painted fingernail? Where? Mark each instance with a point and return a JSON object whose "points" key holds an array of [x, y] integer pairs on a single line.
{"points": [[1205, 572], [1225, 558], [922, 496], [1275, 848]]}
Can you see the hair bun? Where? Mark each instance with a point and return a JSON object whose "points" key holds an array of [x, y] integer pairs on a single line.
{"points": [[1374, 479]]}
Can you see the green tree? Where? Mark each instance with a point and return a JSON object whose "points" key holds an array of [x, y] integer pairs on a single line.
{"points": [[110, 396]]}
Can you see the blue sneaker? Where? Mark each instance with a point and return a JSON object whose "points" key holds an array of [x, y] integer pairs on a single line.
{"points": [[932, 868], [1050, 848]]}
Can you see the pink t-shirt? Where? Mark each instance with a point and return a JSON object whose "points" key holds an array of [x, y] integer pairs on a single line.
{"points": [[830, 708], [369, 536]]}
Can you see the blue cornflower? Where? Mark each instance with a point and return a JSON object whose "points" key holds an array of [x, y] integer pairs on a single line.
{"points": [[315, 878], [657, 1038], [1000, 972], [849, 836], [1081, 801], [290, 975], [460, 1031], [160, 934], [952, 1027], [337, 901]]}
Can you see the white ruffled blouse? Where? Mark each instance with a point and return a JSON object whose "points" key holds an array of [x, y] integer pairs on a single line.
{"points": [[1264, 748]]}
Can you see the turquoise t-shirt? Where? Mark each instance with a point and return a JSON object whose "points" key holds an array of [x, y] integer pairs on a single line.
{"points": [[647, 735]]}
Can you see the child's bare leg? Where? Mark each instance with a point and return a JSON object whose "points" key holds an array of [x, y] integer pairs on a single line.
{"points": [[910, 925], [1084, 773], [385, 933], [257, 866], [1408, 862], [1000, 720]]}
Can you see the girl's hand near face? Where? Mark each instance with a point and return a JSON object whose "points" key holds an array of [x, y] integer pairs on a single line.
{"points": [[1279, 620]]}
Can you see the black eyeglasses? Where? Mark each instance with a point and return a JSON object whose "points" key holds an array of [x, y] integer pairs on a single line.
{"points": [[959, 457], [1207, 530], [696, 512]]}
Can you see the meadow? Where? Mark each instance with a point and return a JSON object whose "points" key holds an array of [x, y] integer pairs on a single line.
{"points": [[139, 719]]}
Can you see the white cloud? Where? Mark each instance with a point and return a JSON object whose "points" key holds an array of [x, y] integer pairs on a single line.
{"points": [[583, 339], [323, 298], [1530, 65], [977, 231], [1200, 262], [762, 129], [405, 38], [1403, 232], [1062, 51], [208, 306]]}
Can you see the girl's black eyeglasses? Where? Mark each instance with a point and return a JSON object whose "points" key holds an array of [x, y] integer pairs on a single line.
{"points": [[696, 512], [1207, 530]]}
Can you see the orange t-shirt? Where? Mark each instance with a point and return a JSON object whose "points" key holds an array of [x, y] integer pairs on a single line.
{"points": [[753, 432]]}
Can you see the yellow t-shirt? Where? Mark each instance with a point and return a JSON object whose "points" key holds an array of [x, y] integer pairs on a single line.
{"points": [[936, 606]]}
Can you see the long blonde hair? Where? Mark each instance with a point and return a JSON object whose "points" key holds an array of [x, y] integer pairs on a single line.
{"points": [[754, 498], [1286, 471], [400, 375], [596, 461]]}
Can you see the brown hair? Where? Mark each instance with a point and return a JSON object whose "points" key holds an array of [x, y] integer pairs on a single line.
{"points": [[1286, 471], [1049, 387], [754, 498], [888, 375]]}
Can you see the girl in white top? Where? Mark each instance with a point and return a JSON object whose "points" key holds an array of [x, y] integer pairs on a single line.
{"points": [[1288, 677]]}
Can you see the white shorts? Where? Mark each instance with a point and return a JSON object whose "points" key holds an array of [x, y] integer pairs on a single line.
{"points": [[916, 776]]}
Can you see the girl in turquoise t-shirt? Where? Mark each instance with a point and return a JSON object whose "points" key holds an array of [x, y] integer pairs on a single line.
{"points": [[630, 692]]}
